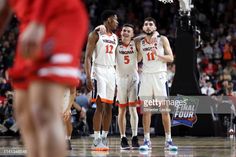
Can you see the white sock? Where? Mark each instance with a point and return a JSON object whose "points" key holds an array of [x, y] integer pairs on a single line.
{"points": [[122, 135], [147, 136], [168, 136], [96, 134], [104, 134], [133, 120], [68, 137]]}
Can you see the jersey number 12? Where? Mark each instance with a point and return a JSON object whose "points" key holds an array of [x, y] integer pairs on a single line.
{"points": [[109, 48]]}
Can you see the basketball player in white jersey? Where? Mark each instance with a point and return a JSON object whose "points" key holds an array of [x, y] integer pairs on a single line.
{"points": [[103, 47], [69, 97], [127, 84], [153, 85]]}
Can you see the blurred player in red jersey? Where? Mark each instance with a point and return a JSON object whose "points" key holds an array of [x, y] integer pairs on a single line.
{"points": [[46, 63]]}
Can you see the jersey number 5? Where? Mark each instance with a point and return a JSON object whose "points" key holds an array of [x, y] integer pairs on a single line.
{"points": [[109, 48], [127, 60]]}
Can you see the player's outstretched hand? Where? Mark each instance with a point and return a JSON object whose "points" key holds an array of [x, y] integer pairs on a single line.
{"points": [[31, 40]]}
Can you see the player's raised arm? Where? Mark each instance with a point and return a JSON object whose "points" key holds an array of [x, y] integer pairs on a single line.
{"points": [[168, 57], [91, 44], [5, 15]]}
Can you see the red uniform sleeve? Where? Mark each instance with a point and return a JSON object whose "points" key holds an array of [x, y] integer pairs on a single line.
{"points": [[43, 10]]}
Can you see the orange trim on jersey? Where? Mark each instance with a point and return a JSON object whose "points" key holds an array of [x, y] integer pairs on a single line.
{"points": [[103, 100], [122, 105], [107, 101], [140, 102], [93, 100], [135, 103]]}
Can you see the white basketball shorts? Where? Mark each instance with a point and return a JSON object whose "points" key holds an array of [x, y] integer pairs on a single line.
{"points": [[153, 85], [127, 89], [104, 81]]}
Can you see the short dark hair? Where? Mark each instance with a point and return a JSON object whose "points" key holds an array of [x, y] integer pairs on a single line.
{"points": [[128, 25], [106, 14], [150, 19]]}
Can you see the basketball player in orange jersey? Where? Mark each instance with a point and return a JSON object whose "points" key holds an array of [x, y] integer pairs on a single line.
{"points": [[69, 97], [103, 74], [46, 63], [155, 56]]}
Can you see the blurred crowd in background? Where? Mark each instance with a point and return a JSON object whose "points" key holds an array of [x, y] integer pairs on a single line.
{"points": [[216, 56]]}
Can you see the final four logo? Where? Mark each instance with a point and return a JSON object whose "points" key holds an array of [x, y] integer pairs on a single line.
{"points": [[185, 113]]}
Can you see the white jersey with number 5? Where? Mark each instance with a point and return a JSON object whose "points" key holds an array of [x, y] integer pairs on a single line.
{"points": [[105, 50], [126, 59], [151, 64]]}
